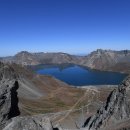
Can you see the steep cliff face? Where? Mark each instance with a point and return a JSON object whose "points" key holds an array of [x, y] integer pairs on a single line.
{"points": [[116, 109], [8, 94], [100, 59], [106, 59]]}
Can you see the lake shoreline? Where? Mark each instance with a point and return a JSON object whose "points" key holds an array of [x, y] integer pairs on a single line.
{"points": [[77, 75], [97, 86]]}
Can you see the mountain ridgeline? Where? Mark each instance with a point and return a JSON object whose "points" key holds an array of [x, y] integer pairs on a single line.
{"points": [[106, 60], [26, 58]]}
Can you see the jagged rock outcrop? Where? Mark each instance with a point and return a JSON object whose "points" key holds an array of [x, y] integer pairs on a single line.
{"points": [[5, 102], [29, 123], [9, 110], [116, 109], [8, 94]]}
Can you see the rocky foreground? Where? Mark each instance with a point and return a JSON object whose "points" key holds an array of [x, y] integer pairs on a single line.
{"points": [[17, 113], [114, 111]]}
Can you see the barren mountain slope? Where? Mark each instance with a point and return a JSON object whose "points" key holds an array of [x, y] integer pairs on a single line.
{"points": [[37, 93], [107, 60], [26, 58]]}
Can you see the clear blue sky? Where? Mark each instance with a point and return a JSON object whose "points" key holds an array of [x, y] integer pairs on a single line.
{"points": [[73, 26]]}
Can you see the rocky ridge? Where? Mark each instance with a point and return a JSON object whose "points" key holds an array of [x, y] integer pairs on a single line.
{"points": [[29, 123], [116, 108], [9, 109], [8, 94], [26, 58], [107, 60]]}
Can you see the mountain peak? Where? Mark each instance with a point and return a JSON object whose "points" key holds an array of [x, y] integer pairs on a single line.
{"points": [[23, 53]]}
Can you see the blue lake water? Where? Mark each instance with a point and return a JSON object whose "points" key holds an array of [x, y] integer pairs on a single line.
{"points": [[79, 76]]}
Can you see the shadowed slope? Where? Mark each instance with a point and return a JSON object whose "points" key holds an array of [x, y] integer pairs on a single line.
{"points": [[115, 110]]}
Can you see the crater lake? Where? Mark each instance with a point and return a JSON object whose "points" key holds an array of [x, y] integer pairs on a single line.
{"points": [[80, 76]]}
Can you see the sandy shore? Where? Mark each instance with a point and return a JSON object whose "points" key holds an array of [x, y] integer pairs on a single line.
{"points": [[97, 86]]}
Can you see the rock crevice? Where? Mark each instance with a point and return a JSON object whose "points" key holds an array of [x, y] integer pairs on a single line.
{"points": [[14, 110]]}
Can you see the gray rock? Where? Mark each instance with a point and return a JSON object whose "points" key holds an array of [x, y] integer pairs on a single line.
{"points": [[26, 58], [29, 123], [9, 110], [116, 108], [107, 60], [8, 94]]}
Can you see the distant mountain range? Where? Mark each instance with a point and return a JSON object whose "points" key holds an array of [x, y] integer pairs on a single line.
{"points": [[26, 58], [108, 60]]}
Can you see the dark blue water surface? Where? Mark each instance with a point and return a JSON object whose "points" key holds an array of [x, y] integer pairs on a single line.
{"points": [[79, 76]]}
